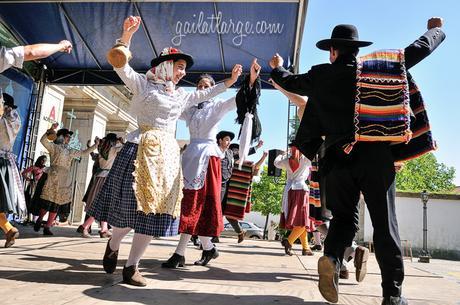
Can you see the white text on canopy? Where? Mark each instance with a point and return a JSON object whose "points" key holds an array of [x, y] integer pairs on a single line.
{"points": [[204, 25]]}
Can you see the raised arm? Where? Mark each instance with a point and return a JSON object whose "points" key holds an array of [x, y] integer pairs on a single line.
{"points": [[46, 143], [42, 50], [298, 100], [425, 44], [300, 84], [134, 81], [281, 161], [198, 96], [256, 167]]}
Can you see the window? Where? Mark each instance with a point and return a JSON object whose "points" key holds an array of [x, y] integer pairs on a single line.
{"points": [[245, 225]]}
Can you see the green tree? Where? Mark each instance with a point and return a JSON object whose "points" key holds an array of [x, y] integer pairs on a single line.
{"points": [[425, 173], [267, 195]]}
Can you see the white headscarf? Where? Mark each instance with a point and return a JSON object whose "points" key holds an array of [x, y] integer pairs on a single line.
{"points": [[163, 73]]}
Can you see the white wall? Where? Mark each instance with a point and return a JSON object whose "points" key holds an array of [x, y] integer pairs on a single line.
{"points": [[443, 222]]}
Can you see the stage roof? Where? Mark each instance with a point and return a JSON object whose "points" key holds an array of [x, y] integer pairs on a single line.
{"points": [[218, 34]]}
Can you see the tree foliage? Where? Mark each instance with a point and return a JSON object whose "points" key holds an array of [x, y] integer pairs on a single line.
{"points": [[267, 194], [425, 173]]}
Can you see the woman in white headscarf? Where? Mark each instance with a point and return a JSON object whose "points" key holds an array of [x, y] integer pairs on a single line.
{"points": [[144, 188]]}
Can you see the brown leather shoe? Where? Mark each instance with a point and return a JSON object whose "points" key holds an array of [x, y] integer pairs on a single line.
{"points": [[109, 262], [11, 236], [307, 252], [105, 234], [132, 276], [287, 246], [328, 279], [241, 237], [360, 262]]}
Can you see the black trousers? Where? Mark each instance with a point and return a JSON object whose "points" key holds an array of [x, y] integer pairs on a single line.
{"points": [[368, 170]]}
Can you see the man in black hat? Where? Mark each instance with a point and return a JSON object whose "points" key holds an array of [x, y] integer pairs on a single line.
{"points": [[329, 121]]}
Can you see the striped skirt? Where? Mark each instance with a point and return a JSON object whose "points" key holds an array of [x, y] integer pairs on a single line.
{"points": [[116, 202]]}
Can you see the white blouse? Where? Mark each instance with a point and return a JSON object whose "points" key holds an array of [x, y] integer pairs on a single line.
{"points": [[156, 108], [9, 129], [295, 180], [203, 125], [11, 57]]}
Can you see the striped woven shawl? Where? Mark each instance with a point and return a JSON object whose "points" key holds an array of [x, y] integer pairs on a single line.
{"points": [[239, 192], [382, 111]]}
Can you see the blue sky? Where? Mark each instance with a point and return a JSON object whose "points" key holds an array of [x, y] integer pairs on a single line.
{"points": [[389, 24]]}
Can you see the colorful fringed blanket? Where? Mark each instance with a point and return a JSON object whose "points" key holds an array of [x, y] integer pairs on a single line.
{"points": [[315, 195], [239, 192], [382, 111], [422, 141]]}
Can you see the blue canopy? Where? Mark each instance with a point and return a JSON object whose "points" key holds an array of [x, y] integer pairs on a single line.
{"points": [[217, 34]]}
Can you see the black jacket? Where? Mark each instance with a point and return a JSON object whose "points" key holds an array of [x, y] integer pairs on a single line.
{"points": [[331, 91]]}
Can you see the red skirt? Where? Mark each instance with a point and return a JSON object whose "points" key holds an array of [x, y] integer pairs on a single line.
{"points": [[298, 211], [201, 210]]}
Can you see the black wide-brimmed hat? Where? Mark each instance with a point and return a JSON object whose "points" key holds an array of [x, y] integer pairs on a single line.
{"points": [[172, 54], [8, 100], [64, 132], [222, 134], [343, 35]]}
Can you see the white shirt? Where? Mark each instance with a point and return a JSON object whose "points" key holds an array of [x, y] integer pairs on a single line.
{"points": [[156, 108], [9, 129], [11, 57], [295, 180], [203, 125]]}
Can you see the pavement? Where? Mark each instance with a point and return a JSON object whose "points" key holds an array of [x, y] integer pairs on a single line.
{"points": [[66, 269]]}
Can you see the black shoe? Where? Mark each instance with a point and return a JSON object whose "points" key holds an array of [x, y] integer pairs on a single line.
{"points": [[287, 246], [317, 248], [47, 231], [174, 261], [194, 239], [109, 262], [328, 285], [37, 225], [132, 276], [206, 256], [215, 239], [394, 301]]}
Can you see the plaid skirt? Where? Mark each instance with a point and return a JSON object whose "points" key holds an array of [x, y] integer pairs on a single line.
{"points": [[116, 202]]}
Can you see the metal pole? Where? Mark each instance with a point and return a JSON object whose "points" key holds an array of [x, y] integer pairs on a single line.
{"points": [[425, 254]]}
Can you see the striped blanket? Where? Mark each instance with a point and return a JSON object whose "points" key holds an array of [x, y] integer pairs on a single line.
{"points": [[382, 111], [422, 141], [315, 195], [239, 192]]}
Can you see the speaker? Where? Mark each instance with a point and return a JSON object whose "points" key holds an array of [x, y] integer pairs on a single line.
{"points": [[272, 169]]}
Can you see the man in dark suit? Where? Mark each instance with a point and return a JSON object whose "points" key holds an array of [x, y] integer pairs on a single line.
{"points": [[368, 168]]}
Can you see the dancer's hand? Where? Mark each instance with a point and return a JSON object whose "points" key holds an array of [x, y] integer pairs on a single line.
{"points": [[435, 22], [236, 72], [97, 141], [66, 46], [254, 71], [131, 24], [276, 61], [260, 144]]}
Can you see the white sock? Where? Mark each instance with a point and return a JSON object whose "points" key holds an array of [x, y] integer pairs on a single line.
{"points": [[206, 242], [117, 236], [183, 241], [138, 247], [317, 236]]}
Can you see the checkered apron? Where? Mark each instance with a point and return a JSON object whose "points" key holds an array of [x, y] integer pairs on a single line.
{"points": [[116, 202]]}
